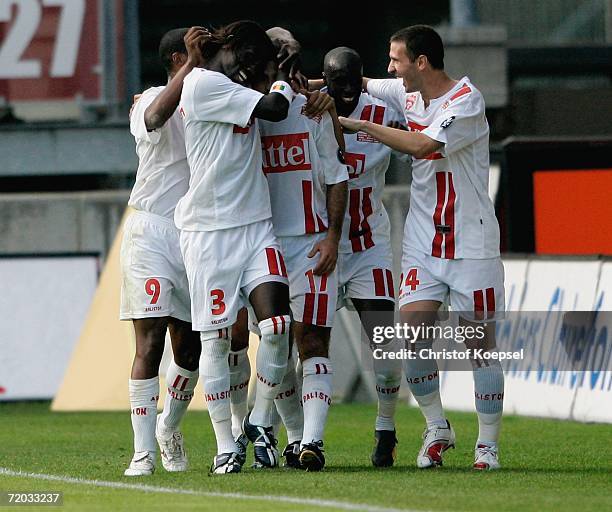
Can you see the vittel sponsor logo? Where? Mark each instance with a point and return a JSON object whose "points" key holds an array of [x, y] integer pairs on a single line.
{"points": [[284, 153]]}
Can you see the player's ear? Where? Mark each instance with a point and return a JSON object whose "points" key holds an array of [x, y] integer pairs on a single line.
{"points": [[324, 77]]}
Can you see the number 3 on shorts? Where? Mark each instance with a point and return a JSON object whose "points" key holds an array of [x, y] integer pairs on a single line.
{"points": [[217, 302]]}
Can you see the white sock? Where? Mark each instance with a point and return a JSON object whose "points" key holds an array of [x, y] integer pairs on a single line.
{"points": [[180, 384], [489, 399], [144, 394], [423, 380], [288, 405], [214, 371], [388, 373], [240, 374], [271, 364], [316, 397]]}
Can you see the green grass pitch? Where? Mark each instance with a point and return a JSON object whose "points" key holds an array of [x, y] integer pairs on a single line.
{"points": [[548, 465]]}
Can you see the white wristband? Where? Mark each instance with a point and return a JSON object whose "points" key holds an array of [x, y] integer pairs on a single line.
{"points": [[283, 88]]}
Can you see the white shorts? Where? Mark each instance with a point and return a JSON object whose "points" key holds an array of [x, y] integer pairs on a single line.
{"points": [[475, 287], [153, 278], [366, 275], [225, 266], [313, 298]]}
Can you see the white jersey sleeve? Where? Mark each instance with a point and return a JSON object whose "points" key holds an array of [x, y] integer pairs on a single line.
{"points": [[217, 99], [390, 90], [333, 170], [138, 127], [462, 123]]}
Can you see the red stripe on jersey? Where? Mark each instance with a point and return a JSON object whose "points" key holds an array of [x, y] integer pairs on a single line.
{"points": [[490, 302], [432, 156], [436, 246], [449, 220], [176, 381], [281, 260], [320, 224], [464, 90], [366, 113], [390, 286], [478, 304], [322, 310], [311, 280], [309, 222], [379, 282], [379, 114], [309, 303], [355, 214], [367, 211], [241, 130], [272, 261], [416, 127], [283, 324], [323, 283], [275, 323], [185, 381]]}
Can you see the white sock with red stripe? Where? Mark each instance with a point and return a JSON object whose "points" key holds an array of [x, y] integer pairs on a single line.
{"points": [[214, 370], [144, 394], [316, 397], [288, 404], [271, 365], [240, 374], [180, 384], [388, 373]]}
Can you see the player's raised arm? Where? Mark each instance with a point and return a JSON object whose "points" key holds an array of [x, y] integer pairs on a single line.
{"points": [[164, 105], [418, 145]]}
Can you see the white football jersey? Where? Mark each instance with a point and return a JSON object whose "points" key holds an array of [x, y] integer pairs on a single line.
{"points": [[451, 214], [366, 222], [163, 174], [227, 187], [300, 157]]}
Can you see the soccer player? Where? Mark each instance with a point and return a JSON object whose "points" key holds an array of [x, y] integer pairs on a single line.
{"points": [[154, 291], [307, 180], [227, 242], [365, 261], [451, 238]]}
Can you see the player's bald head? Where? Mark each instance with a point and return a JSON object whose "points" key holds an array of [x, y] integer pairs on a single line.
{"points": [[342, 58]]}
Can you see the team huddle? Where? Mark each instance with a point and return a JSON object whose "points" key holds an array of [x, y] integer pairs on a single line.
{"points": [[258, 209]]}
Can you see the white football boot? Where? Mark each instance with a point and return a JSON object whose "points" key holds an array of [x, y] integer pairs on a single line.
{"points": [[172, 451], [142, 464], [486, 458], [436, 440]]}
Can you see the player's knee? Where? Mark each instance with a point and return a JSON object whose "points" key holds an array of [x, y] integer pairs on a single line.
{"points": [[313, 342], [275, 328], [240, 336]]}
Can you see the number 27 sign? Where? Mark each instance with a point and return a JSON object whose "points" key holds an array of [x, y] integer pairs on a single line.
{"points": [[49, 49]]}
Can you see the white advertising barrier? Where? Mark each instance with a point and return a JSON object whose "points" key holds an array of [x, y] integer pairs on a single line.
{"points": [[457, 387], [42, 308], [532, 387], [593, 400]]}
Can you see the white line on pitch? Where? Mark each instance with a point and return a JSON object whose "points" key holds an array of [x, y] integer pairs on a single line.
{"points": [[343, 505]]}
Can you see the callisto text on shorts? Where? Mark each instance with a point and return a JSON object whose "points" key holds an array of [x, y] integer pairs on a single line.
{"points": [[457, 355], [458, 333]]}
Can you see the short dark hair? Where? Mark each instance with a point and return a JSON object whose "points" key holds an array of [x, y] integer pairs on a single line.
{"points": [[246, 39], [171, 42], [422, 40]]}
